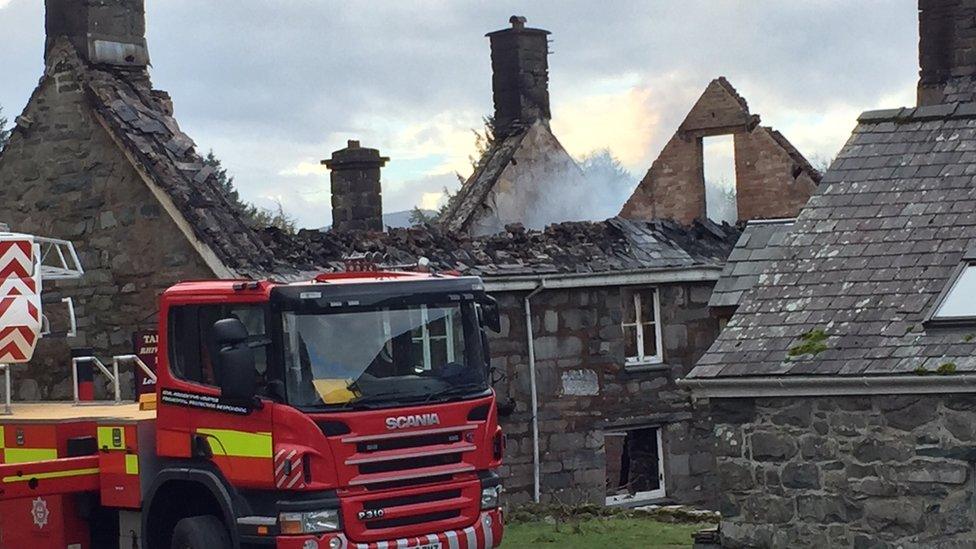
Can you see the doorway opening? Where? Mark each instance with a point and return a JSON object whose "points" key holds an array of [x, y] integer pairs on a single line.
{"points": [[635, 465], [718, 164]]}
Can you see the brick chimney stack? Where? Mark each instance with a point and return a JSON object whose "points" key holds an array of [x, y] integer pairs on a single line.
{"points": [[947, 51], [520, 75], [108, 32], [357, 199]]}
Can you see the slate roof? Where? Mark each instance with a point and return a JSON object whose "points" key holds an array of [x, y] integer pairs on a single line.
{"points": [[472, 195], [615, 245], [758, 246], [141, 120], [867, 258]]}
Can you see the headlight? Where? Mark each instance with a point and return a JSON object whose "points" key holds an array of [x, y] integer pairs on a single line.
{"points": [[489, 497], [309, 522]]}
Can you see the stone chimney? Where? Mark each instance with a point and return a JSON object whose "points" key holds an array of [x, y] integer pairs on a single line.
{"points": [[520, 75], [107, 32], [946, 51], [357, 199]]}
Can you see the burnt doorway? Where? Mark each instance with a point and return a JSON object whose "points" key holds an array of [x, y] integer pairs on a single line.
{"points": [[635, 465]]}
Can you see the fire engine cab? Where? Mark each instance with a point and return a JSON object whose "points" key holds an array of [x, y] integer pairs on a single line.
{"points": [[352, 410]]}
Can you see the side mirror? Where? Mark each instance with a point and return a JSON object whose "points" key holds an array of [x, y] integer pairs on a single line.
{"points": [[491, 316], [235, 361]]}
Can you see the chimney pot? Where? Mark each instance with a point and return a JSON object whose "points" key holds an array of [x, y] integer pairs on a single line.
{"points": [[357, 198], [520, 76]]}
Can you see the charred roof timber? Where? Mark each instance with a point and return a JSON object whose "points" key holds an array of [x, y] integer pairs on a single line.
{"points": [[520, 76], [357, 199], [109, 32]]}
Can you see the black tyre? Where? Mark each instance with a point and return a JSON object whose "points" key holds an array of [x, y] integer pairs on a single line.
{"points": [[206, 532]]}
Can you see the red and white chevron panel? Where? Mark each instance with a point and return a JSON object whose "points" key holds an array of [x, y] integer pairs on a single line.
{"points": [[20, 302], [289, 470]]}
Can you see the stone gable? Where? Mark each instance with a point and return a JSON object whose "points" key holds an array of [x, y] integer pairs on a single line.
{"points": [[62, 175], [773, 180]]}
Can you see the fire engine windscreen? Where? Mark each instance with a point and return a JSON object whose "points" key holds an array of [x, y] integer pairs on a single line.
{"points": [[383, 357]]}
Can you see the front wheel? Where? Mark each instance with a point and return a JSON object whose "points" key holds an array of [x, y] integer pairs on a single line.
{"points": [[206, 532]]}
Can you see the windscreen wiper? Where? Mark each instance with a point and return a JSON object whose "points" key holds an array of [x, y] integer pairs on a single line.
{"points": [[372, 398], [456, 390]]}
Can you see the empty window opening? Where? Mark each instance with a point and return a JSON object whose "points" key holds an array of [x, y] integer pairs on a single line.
{"points": [[635, 465], [718, 160]]}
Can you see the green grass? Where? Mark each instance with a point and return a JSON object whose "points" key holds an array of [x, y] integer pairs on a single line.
{"points": [[601, 533]]}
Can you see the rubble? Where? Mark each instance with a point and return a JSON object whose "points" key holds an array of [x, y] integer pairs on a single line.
{"points": [[572, 247]]}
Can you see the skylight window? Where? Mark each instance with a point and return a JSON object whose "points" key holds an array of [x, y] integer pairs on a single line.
{"points": [[959, 303]]}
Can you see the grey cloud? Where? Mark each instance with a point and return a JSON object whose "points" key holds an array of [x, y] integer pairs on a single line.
{"points": [[290, 73]]}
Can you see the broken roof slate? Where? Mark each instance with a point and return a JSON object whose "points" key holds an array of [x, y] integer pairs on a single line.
{"points": [[866, 258], [141, 120], [757, 247], [615, 245]]}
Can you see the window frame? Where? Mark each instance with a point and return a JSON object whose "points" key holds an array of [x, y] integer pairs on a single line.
{"points": [[935, 321], [425, 339], [176, 352], [639, 327]]}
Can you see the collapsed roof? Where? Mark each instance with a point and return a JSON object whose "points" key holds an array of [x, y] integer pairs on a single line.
{"points": [[615, 245]]}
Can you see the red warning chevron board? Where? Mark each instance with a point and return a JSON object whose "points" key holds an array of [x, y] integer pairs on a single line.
{"points": [[20, 303], [16, 256]]}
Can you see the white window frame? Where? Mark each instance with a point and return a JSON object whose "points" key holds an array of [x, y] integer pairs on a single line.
{"points": [[661, 491], [642, 359], [425, 338], [935, 317]]}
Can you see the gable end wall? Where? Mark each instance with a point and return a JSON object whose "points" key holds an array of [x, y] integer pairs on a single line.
{"points": [[130, 247]]}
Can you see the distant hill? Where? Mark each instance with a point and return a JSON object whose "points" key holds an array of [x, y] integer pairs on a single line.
{"points": [[394, 219]]}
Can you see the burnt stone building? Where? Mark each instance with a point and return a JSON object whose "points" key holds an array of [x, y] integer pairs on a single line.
{"points": [[841, 392], [97, 157], [599, 319]]}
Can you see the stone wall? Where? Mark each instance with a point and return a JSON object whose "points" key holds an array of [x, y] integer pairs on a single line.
{"points": [[64, 177], [584, 390], [866, 472], [771, 181]]}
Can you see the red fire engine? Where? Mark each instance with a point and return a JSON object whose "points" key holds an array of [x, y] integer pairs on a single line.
{"points": [[353, 410]]}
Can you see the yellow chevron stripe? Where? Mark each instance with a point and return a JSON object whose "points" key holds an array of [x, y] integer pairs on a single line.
{"points": [[53, 474]]}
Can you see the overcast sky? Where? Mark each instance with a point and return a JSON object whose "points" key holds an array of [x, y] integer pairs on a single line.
{"points": [[274, 87]]}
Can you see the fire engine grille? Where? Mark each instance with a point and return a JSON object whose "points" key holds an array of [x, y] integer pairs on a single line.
{"points": [[411, 520], [411, 500], [410, 463], [408, 442], [408, 483]]}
